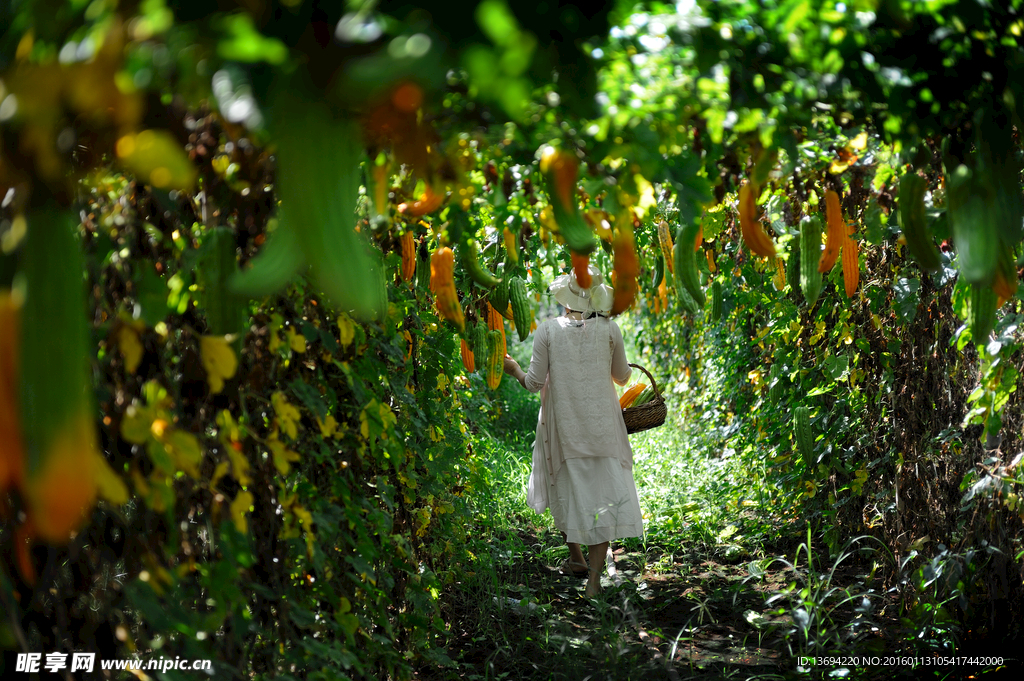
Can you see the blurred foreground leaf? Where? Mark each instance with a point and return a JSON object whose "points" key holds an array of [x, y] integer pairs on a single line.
{"points": [[318, 182], [61, 448]]}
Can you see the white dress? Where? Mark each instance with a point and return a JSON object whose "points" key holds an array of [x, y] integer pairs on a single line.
{"points": [[582, 461]]}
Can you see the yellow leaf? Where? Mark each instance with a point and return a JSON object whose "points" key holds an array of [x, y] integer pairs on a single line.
{"points": [[306, 521], [136, 424], [647, 199], [220, 163], [219, 360], [408, 344], [423, 516], [228, 428], [239, 466], [364, 425], [219, 472], [239, 507], [346, 330], [387, 417], [328, 427], [275, 341], [837, 167], [184, 449], [860, 477], [109, 484], [281, 454], [296, 340], [130, 345], [919, 544], [304, 517], [380, 416], [287, 414], [156, 158]]}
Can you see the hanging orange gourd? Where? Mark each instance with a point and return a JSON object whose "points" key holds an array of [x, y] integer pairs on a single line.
{"points": [[851, 263], [754, 236], [12, 454], [408, 247], [665, 240], [581, 266], [496, 323], [468, 360], [835, 233], [626, 266], [442, 283]]}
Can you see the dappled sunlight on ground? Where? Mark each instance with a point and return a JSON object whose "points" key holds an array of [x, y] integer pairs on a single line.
{"points": [[660, 617]]}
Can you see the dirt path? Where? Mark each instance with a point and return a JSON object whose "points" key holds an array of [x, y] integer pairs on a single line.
{"points": [[678, 617]]}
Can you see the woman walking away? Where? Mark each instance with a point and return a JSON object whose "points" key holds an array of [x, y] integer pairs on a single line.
{"points": [[582, 462]]}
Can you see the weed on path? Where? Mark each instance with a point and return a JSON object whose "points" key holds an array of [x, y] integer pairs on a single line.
{"points": [[660, 617]]}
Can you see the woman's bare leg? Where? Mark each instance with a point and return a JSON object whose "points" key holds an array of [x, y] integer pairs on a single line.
{"points": [[597, 554], [575, 552]]}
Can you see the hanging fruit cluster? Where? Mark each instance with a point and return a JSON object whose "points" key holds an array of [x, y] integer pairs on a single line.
{"points": [[838, 239]]}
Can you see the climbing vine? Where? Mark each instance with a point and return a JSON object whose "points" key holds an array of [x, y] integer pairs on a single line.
{"points": [[243, 250]]}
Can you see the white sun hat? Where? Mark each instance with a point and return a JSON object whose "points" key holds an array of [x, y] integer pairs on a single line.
{"points": [[567, 291]]}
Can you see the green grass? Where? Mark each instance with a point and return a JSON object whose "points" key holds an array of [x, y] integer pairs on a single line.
{"points": [[698, 494], [715, 526], [721, 584], [725, 565], [509, 607]]}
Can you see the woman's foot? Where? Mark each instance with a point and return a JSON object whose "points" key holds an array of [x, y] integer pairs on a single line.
{"points": [[593, 583], [571, 568]]}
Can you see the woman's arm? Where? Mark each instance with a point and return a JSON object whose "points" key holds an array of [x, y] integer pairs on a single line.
{"points": [[513, 369], [621, 371], [532, 380]]}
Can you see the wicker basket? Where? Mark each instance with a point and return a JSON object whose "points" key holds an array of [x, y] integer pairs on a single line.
{"points": [[646, 416]]}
